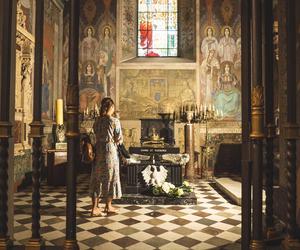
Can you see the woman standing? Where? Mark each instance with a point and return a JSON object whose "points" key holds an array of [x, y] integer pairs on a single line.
{"points": [[105, 177]]}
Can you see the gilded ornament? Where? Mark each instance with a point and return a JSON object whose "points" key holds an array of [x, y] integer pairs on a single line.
{"points": [[257, 99]]}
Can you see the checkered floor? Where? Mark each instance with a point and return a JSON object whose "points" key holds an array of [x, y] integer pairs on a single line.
{"points": [[213, 223]]}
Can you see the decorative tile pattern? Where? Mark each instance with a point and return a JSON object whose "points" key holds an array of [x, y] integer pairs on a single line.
{"points": [[211, 224]]}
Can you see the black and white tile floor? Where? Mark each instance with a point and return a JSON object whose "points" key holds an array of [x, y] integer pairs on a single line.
{"points": [[213, 223]]}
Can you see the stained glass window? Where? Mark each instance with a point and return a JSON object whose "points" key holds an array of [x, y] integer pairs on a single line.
{"points": [[157, 28]]}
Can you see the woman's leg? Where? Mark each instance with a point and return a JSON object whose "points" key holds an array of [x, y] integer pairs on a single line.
{"points": [[109, 207], [95, 209]]}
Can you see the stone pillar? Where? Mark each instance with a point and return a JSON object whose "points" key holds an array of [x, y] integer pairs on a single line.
{"points": [[189, 149]]}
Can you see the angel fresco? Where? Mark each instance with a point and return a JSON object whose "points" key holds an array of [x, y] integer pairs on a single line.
{"points": [[227, 46], [209, 69], [209, 42], [88, 45]]}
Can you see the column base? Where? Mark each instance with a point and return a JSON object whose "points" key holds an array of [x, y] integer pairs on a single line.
{"points": [[257, 245], [5, 243], [291, 244], [35, 244], [71, 245]]}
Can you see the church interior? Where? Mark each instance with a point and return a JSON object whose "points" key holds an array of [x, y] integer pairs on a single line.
{"points": [[207, 96]]}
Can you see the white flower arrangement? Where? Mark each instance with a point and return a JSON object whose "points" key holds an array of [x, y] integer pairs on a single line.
{"points": [[170, 190]]}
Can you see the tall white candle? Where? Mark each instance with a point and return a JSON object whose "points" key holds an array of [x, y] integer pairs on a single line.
{"points": [[59, 112]]}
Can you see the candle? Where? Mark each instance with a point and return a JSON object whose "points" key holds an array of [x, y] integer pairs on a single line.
{"points": [[209, 107], [59, 112], [201, 108]]}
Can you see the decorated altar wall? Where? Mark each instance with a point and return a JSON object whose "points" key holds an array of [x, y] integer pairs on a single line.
{"points": [[212, 76], [206, 72]]}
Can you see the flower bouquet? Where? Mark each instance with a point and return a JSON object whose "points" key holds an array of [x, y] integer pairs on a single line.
{"points": [[168, 189]]}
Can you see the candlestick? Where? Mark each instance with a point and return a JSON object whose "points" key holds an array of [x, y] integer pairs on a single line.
{"points": [[59, 112]]}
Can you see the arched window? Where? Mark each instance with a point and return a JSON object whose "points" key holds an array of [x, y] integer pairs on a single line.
{"points": [[157, 28]]}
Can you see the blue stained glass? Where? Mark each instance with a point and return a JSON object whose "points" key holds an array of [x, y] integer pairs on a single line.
{"points": [[157, 28]]}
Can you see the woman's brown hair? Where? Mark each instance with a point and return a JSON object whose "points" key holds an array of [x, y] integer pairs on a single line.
{"points": [[106, 104]]}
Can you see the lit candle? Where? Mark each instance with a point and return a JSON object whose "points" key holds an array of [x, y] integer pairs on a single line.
{"points": [[201, 108], [209, 107], [59, 112]]}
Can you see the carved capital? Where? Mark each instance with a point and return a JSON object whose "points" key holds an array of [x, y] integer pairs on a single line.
{"points": [[257, 96], [5, 129], [257, 112]]}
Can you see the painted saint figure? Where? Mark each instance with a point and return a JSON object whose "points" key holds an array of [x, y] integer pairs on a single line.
{"points": [[209, 73], [90, 89], [227, 98], [106, 56], [209, 42], [227, 46], [88, 45]]}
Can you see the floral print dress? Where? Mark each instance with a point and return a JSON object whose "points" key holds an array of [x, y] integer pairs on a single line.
{"points": [[105, 176]]}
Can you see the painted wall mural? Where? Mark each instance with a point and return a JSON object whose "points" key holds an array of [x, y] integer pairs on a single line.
{"points": [[144, 93], [187, 20], [97, 69], [65, 52], [220, 56], [128, 29], [50, 60]]}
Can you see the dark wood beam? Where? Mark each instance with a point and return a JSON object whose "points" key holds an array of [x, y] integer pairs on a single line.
{"points": [[257, 123], [72, 126], [246, 111], [268, 83], [7, 52], [291, 132], [37, 128]]}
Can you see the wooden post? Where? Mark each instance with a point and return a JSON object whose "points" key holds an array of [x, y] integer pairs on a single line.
{"points": [[246, 111], [268, 57], [257, 122], [72, 126], [7, 20], [37, 129], [291, 133], [189, 149]]}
